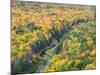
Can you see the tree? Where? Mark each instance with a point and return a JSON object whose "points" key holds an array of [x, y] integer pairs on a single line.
{"points": [[56, 33], [90, 66], [42, 39], [84, 45], [31, 26], [94, 39], [59, 46], [50, 52]]}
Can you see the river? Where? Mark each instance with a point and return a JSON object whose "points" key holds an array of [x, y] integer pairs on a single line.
{"points": [[53, 47]]}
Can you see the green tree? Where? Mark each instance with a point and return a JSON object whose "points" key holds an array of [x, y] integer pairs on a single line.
{"points": [[50, 52]]}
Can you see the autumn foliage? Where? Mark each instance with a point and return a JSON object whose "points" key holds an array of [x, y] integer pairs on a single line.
{"points": [[64, 33]]}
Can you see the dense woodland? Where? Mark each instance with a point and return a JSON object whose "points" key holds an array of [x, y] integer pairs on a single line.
{"points": [[50, 37]]}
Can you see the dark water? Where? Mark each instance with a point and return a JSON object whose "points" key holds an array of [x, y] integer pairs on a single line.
{"points": [[53, 46]]}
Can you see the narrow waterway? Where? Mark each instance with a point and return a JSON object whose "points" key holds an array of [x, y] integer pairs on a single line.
{"points": [[41, 68], [53, 47]]}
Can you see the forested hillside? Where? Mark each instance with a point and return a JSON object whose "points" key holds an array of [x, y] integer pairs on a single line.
{"points": [[50, 37]]}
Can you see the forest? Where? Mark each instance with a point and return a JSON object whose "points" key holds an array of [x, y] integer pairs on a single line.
{"points": [[52, 37]]}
